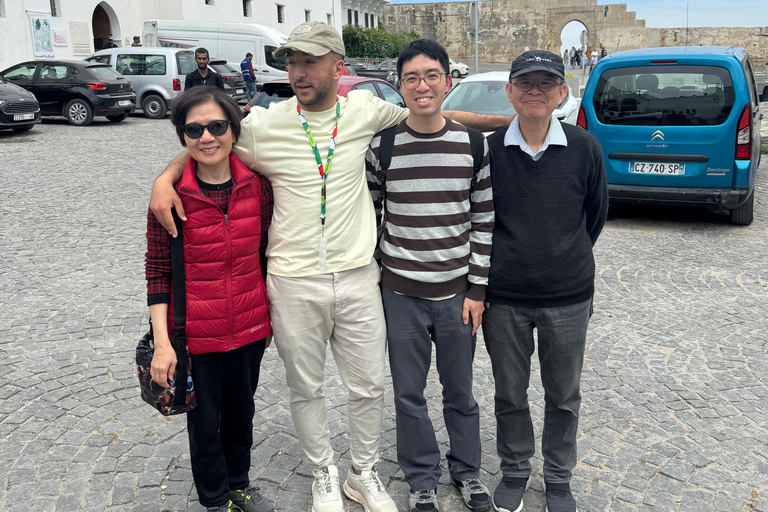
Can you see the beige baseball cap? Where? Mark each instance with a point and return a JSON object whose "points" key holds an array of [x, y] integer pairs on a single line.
{"points": [[313, 37]]}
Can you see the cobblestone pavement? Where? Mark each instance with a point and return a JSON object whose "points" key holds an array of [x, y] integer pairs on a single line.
{"points": [[675, 411]]}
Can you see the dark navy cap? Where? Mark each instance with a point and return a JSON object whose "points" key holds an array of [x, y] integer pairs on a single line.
{"points": [[537, 60]]}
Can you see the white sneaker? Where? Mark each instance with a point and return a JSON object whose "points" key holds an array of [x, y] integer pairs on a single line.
{"points": [[368, 490], [326, 496]]}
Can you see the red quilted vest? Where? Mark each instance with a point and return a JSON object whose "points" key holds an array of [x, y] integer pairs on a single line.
{"points": [[226, 294]]}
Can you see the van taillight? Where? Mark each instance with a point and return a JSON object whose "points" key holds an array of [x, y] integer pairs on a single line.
{"points": [[176, 84], [744, 135], [581, 120]]}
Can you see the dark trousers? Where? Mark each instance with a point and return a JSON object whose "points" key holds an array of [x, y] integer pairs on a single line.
{"points": [[412, 326], [221, 426], [562, 334]]}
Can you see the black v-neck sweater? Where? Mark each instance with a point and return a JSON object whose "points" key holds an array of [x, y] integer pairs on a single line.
{"points": [[549, 214]]}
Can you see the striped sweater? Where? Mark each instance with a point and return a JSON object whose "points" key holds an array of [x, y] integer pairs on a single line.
{"points": [[436, 232]]}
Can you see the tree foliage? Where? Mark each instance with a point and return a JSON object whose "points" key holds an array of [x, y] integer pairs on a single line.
{"points": [[375, 42]]}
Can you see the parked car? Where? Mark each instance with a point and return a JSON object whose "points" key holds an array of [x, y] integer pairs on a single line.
{"points": [[234, 83], [349, 69], [74, 89], [157, 74], [19, 110], [485, 93], [280, 90], [458, 69], [677, 126]]}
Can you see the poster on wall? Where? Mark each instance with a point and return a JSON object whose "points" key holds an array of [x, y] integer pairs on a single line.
{"points": [[59, 38], [41, 36], [81, 38]]}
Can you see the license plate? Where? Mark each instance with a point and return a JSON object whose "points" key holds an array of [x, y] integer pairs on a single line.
{"points": [[124, 103], [240, 91], [656, 168], [23, 117]]}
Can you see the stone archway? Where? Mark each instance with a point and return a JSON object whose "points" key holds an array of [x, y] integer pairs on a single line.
{"points": [[104, 24]]}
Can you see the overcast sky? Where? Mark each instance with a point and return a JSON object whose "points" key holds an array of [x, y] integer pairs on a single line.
{"points": [[671, 13]]}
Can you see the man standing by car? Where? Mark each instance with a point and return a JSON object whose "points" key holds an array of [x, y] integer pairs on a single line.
{"points": [[435, 253], [136, 41], [246, 68], [322, 281], [110, 43], [551, 200], [203, 74]]}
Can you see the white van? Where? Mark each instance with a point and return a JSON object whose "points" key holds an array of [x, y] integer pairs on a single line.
{"points": [[228, 41], [156, 74]]}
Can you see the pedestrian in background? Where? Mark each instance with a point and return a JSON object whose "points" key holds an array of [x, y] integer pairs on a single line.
{"points": [[203, 75], [136, 41], [228, 210], [246, 68], [550, 197]]}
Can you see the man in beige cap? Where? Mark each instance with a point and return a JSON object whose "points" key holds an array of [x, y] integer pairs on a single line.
{"points": [[322, 279]]}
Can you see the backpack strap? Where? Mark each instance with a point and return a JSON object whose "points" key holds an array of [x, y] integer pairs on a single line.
{"points": [[386, 144], [476, 140]]}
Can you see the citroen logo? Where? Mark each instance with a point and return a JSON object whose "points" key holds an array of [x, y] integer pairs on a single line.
{"points": [[657, 135]]}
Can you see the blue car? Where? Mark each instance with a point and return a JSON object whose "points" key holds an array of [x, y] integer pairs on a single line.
{"points": [[677, 126]]}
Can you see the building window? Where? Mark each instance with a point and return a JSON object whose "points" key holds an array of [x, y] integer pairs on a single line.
{"points": [[349, 16], [280, 13], [307, 15], [357, 20], [210, 2], [329, 18], [55, 8], [2, 9], [248, 8]]}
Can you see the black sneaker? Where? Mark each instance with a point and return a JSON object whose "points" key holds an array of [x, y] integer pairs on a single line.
{"points": [[249, 500], [223, 508], [508, 496], [559, 498], [475, 494]]}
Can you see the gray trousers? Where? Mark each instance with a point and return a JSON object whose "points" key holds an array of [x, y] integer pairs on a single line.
{"points": [[413, 324], [562, 334]]}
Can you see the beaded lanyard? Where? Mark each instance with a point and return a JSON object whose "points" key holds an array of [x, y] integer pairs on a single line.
{"points": [[324, 171]]}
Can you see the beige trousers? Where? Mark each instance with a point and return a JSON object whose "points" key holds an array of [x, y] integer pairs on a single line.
{"points": [[345, 310]]}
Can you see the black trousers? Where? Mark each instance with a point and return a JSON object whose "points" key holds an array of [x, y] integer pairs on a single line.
{"points": [[221, 426]]}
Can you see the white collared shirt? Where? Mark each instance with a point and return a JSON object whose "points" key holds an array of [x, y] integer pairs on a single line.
{"points": [[555, 135]]}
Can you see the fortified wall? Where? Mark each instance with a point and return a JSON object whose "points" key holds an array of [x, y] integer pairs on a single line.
{"points": [[508, 27]]}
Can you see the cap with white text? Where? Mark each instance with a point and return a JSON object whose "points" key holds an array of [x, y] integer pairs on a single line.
{"points": [[537, 60], [313, 37]]}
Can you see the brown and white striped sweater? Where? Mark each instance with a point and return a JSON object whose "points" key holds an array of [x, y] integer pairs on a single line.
{"points": [[436, 239]]}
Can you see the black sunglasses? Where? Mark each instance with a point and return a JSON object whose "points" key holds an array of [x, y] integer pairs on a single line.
{"points": [[215, 128]]}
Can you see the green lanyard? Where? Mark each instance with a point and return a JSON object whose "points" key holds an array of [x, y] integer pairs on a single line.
{"points": [[324, 171]]}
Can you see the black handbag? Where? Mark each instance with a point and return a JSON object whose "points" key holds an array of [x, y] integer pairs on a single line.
{"points": [[179, 396]]}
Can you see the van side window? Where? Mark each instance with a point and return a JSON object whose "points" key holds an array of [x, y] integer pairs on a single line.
{"points": [[185, 61], [271, 61], [138, 64]]}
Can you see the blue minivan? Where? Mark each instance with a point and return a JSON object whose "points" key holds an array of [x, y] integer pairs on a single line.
{"points": [[677, 126]]}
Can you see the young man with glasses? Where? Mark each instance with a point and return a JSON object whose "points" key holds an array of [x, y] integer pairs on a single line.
{"points": [[435, 254], [551, 201]]}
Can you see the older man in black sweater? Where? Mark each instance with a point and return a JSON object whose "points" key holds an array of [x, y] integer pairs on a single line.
{"points": [[551, 200]]}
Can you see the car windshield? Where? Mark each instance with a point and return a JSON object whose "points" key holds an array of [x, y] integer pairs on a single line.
{"points": [[104, 73], [482, 97], [672, 95]]}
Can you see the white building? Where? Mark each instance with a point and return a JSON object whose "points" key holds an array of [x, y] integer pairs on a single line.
{"points": [[73, 29]]}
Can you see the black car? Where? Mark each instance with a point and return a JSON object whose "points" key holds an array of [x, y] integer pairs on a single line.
{"points": [[75, 89], [19, 109], [234, 83]]}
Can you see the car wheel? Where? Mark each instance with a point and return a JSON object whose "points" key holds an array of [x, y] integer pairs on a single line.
{"points": [[154, 107], [23, 128], [455, 73], [742, 215], [78, 112], [116, 118]]}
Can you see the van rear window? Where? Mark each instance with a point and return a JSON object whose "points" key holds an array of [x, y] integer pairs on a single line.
{"points": [[664, 96]]}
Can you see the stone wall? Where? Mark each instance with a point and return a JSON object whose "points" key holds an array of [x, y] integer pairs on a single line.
{"points": [[508, 27]]}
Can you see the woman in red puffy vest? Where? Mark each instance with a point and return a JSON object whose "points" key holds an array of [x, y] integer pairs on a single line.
{"points": [[228, 209]]}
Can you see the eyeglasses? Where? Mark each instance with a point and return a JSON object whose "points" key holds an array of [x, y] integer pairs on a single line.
{"points": [[215, 128], [544, 85], [412, 82]]}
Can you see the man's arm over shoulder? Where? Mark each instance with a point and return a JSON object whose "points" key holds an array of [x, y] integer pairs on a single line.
{"points": [[244, 148], [383, 113], [480, 122], [481, 235]]}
